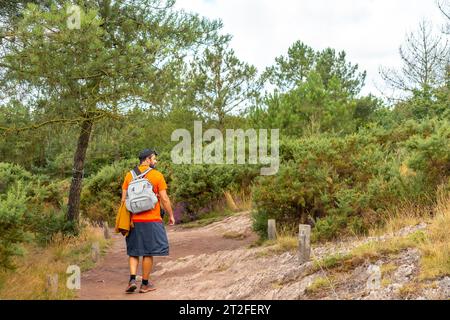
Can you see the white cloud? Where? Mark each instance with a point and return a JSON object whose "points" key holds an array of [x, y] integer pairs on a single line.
{"points": [[370, 31]]}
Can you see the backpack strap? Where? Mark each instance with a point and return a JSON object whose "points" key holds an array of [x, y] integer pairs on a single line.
{"points": [[136, 173], [143, 174]]}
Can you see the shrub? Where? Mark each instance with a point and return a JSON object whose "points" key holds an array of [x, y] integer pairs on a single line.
{"points": [[38, 188], [10, 173], [198, 187], [342, 185], [431, 154], [47, 224], [102, 192], [260, 219], [12, 210]]}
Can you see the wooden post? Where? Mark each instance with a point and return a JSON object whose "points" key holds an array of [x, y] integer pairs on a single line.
{"points": [[106, 232], [304, 243], [95, 251], [272, 229], [52, 284]]}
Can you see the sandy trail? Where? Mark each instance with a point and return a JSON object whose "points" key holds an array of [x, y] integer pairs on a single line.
{"points": [[109, 278], [204, 264]]}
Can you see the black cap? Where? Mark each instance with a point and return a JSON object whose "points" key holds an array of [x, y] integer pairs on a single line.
{"points": [[146, 153]]}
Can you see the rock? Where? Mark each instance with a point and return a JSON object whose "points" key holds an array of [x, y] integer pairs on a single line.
{"points": [[393, 288], [444, 286], [375, 295], [411, 229], [403, 273]]}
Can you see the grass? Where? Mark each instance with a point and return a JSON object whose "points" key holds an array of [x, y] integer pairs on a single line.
{"points": [[434, 245], [319, 284], [409, 289], [385, 282], [408, 214], [435, 261], [284, 242], [371, 251], [337, 262], [287, 243], [244, 200], [387, 269], [28, 281], [377, 249]]}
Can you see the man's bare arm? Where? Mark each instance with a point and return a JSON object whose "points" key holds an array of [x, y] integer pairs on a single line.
{"points": [[124, 195], [165, 201]]}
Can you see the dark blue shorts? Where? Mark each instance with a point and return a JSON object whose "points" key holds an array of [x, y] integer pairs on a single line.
{"points": [[147, 239]]}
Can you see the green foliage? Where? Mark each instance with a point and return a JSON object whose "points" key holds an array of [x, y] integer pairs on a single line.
{"points": [[345, 184], [10, 173], [220, 82], [345, 159], [29, 204], [198, 187], [315, 92], [13, 206], [102, 192], [121, 55], [260, 219], [302, 62], [38, 188], [309, 108], [47, 224], [431, 154]]}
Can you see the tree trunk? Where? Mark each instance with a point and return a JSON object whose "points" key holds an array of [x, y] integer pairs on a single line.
{"points": [[78, 170]]}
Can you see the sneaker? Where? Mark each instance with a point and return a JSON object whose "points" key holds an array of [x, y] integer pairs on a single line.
{"points": [[147, 288], [132, 286]]}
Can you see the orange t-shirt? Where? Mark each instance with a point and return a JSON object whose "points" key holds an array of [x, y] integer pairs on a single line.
{"points": [[157, 180]]}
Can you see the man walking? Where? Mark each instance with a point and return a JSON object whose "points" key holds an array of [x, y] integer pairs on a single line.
{"points": [[148, 236]]}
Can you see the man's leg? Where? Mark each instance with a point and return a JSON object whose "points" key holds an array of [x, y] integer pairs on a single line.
{"points": [[133, 262], [147, 264]]}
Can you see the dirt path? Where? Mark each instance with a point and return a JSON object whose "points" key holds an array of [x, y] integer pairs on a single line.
{"points": [[212, 262], [109, 278]]}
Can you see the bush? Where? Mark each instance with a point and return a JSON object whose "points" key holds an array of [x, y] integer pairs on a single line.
{"points": [[10, 173], [13, 206], [47, 224], [260, 219], [198, 187], [431, 154], [28, 205], [102, 192], [343, 185], [38, 188], [195, 188]]}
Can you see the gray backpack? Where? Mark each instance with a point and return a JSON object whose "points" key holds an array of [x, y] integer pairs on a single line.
{"points": [[140, 195]]}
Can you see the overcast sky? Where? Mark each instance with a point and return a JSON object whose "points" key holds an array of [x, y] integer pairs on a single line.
{"points": [[370, 31]]}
